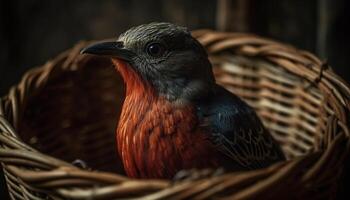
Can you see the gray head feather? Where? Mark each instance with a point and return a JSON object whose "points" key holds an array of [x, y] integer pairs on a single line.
{"points": [[153, 31], [183, 72]]}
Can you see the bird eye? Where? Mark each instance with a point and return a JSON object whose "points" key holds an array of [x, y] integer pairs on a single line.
{"points": [[155, 49]]}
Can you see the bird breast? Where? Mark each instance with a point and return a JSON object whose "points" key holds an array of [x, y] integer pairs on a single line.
{"points": [[156, 139]]}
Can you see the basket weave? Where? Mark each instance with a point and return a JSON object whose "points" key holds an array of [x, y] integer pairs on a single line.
{"points": [[67, 110]]}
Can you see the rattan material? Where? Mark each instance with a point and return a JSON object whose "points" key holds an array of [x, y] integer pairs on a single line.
{"points": [[67, 110]]}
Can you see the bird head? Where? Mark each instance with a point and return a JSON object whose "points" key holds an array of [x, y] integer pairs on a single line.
{"points": [[164, 56]]}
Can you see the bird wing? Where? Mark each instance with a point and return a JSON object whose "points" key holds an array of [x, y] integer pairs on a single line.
{"points": [[237, 131]]}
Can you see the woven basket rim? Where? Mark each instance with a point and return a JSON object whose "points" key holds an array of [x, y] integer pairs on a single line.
{"points": [[55, 173]]}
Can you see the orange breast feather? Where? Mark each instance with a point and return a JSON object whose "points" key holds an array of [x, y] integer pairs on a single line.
{"points": [[155, 138]]}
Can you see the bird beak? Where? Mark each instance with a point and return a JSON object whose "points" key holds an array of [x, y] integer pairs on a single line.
{"points": [[109, 49]]}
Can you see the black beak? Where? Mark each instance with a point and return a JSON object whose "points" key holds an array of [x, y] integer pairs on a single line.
{"points": [[109, 49]]}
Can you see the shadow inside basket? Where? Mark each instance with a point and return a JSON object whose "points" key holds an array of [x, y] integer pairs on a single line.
{"points": [[75, 114]]}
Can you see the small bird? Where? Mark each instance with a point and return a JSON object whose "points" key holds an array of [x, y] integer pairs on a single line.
{"points": [[174, 116]]}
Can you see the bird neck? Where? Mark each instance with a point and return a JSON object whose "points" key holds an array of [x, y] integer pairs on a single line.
{"points": [[135, 85]]}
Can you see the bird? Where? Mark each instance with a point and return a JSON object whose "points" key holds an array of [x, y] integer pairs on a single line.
{"points": [[175, 116]]}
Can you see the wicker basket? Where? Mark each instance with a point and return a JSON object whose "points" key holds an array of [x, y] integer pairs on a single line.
{"points": [[67, 110]]}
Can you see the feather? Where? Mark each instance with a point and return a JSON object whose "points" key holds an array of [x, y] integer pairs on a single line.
{"points": [[236, 130]]}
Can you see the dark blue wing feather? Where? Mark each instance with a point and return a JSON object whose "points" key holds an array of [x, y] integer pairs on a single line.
{"points": [[237, 131]]}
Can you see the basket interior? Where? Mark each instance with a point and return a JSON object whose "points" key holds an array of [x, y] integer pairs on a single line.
{"points": [[290, 107], [74, 116]]}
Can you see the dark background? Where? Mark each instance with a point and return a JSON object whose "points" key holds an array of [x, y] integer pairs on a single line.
{"points": [[33, 31]]}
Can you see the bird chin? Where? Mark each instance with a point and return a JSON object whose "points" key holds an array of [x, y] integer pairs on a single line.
{"points": [[124, 67], [120, 64], [130, 76]]}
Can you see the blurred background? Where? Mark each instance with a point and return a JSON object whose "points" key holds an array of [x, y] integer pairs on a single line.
{"points": [[33, 31]]}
